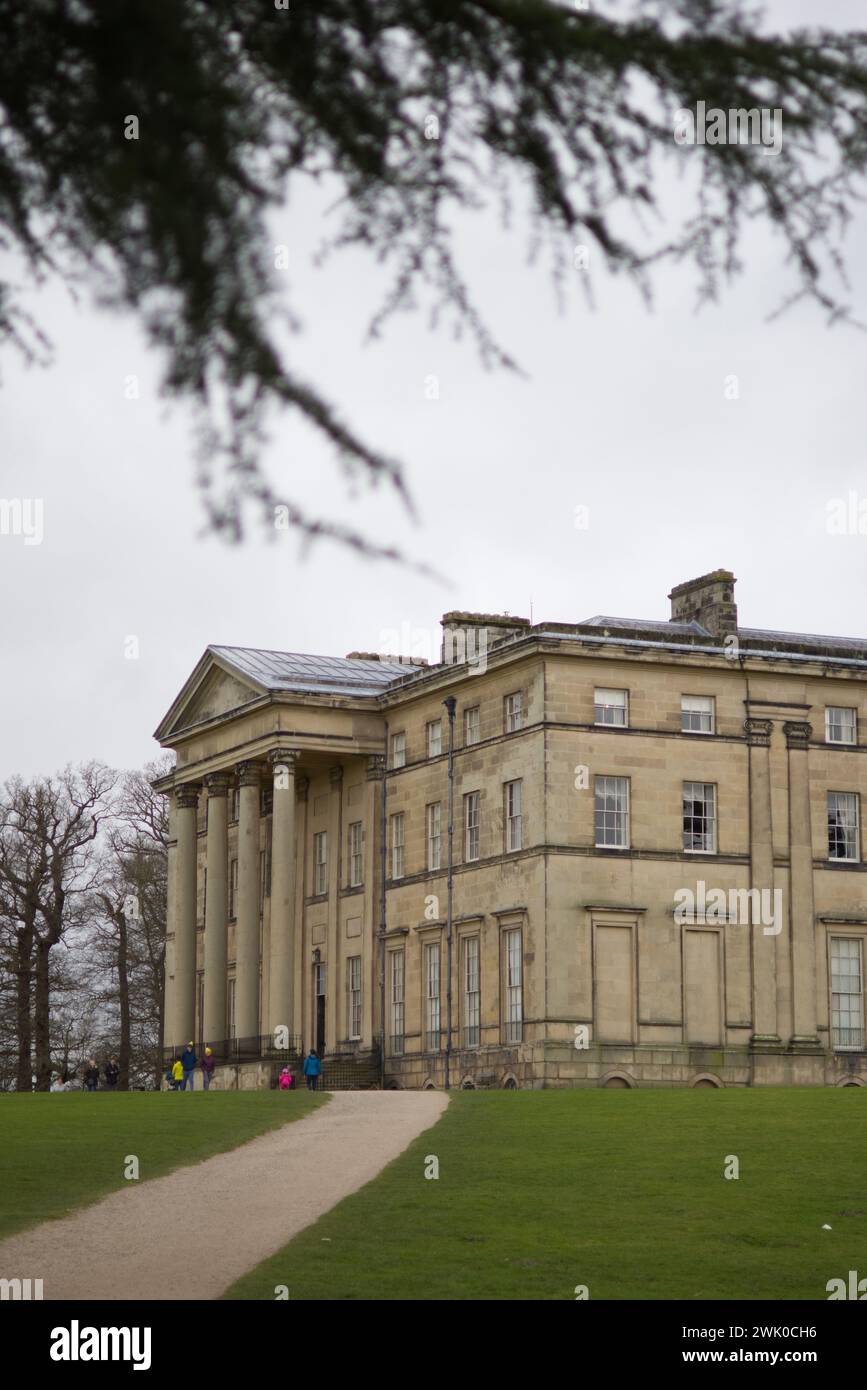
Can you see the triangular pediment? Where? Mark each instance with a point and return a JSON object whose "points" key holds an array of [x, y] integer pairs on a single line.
{"points": [[219, 693], [212, 691]]}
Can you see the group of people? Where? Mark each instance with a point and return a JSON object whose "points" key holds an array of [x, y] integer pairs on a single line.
{"points": [[181, 1073], [111, 1073], [312, 1072], [111, 1076]]}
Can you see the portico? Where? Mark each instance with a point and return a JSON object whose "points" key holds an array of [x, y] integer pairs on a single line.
{"points": [[255, 924]]}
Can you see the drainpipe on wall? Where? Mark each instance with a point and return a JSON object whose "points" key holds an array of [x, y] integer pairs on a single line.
{"points": [[450, 704]]}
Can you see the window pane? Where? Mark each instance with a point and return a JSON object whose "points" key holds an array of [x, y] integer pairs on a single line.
{"points": [[840, 725], [610, 707], [843, 825], [699, 816], [612, 812], [514, 712], [434, 835], [697, 714], [471, 824], [472, 997], [847, 999], [397, 1001], [513, 1003], [514, 819], [432, 997], [397, 844]]}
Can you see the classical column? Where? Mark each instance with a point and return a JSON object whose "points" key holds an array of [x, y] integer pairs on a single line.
{"points": [[187, 802], [171, 926], [765, 1027], [372, 888], [335, 1026], [216, 908], [247, 905], [281, 977], [301, 983], [801, 911]]}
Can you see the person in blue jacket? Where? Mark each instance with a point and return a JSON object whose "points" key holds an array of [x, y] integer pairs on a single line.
{"points": [[188, 1062], [312, 1069]]}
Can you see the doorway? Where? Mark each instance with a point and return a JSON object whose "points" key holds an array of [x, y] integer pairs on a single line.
{"points": [[319, 1007]]}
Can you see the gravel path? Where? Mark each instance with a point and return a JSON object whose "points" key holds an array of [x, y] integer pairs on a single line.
{"points": [[193, 1233]]}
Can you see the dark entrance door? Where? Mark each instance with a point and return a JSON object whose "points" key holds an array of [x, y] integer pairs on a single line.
{"points": [[320, 1008]]}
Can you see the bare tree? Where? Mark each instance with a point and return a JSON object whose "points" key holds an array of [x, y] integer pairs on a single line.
{"points": [[129, 922], [75, 1021], [8, 1005], [48, 865]]}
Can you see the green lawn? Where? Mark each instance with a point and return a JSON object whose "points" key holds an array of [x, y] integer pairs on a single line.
{"points": [[622, 1191], [58, 1152]]}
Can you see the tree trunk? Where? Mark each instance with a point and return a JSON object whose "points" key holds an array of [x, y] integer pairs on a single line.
{"points": [[40, 1018], [23, 964], [123, 999]]}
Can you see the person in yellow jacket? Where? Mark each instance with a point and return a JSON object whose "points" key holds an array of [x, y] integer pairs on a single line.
{"points": [[177, 1074]]}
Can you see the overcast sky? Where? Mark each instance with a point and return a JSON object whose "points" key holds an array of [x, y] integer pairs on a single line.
{"points": [[621, 410]]}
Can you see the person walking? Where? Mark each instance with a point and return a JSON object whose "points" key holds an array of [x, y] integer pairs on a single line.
{"points": [[207, 1065], [188, 1063], [177, 1075], [312, 1069], [91, 1076], [112, 1072]]}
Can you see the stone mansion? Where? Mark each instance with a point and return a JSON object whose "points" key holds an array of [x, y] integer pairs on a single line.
{"points": [[654, 875]]}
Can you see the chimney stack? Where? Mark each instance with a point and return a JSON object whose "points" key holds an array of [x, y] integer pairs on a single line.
{"points": [[709, 600], [468, 636]]}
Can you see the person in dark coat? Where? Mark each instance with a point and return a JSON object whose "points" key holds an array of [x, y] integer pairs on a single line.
{"points": [[188, 1062], [207, 1065], [91, 1076], [312, 1069], [112, 1072]]}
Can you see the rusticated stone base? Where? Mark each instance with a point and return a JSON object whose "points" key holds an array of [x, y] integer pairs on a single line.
{"points": [[552, 1065]]}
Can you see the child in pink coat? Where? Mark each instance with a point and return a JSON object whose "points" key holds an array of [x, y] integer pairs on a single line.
{"points": [[285, 1081]]}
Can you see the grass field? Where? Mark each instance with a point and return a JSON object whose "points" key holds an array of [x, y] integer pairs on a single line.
{"points": [[58, 1152], [621, 1191]]}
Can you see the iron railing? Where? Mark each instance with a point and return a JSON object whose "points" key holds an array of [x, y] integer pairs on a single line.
{"points": [[341, 1071], [230, 1050]]}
